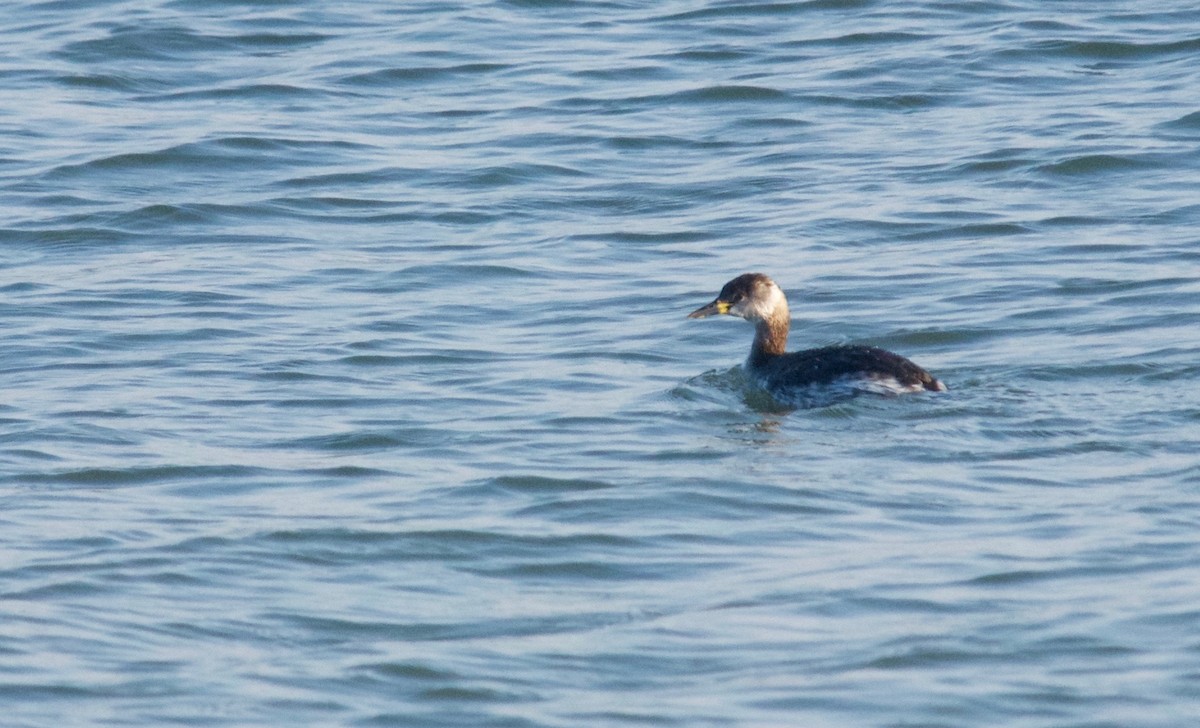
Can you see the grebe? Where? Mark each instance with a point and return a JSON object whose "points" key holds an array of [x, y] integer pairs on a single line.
{"points": [[796, 378]]}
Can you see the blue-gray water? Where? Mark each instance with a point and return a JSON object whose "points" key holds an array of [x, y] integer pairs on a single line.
{"points": [[346, 379]]}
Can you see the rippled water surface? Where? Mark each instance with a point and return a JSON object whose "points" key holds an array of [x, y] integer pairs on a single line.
{"points": [[347, 379]]}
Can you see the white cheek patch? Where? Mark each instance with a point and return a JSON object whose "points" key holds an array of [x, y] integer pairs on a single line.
{"points": [[767, 305]]}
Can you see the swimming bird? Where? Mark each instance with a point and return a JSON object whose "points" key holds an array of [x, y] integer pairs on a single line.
{"points": [[813, 375]]}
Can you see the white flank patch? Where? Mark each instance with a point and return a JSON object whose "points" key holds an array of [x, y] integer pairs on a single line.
{"points": [[839, 390]]}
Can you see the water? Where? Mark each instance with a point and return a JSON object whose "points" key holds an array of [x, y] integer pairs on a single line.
{"points": [[347, 380]]}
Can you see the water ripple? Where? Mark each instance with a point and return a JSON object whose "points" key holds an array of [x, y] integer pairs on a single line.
{"points": [[348, 379]]}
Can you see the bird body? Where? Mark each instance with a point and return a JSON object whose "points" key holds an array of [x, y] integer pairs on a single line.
{"points": [[792, 377]]}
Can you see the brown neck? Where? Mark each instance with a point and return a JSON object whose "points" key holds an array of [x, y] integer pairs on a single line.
{"points": [[770, 339]]}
